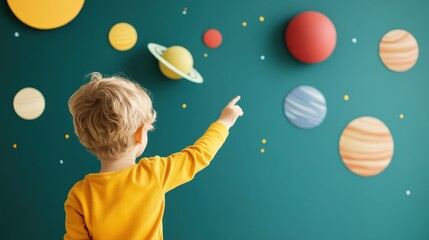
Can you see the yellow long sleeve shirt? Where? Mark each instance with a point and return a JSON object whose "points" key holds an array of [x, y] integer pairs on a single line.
{"points": [[129, 203]]}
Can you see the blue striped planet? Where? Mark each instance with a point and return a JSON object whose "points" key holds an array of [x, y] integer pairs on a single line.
{"points": [[305, 107]]}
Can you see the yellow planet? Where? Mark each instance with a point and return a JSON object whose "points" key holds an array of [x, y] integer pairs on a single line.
{"points": [[45, 14], [122, 36], [399, 50], [29, 103], [175, 62], [180, 58], [366, 146]]}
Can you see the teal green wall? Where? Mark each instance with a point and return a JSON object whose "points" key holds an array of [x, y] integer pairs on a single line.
{"points": [[298, 189]]}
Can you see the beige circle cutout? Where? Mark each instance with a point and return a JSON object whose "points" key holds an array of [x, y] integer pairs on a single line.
{"points": [[46, 14], [366, 146], [122, 36], [29, 103], [399, 50]]}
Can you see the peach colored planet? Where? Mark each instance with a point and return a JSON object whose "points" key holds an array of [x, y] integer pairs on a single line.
{"points": [[399, 50], [366, 146]]}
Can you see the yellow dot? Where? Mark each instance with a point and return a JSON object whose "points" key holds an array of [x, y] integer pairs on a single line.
{"points": [[67, 136], [401, 116], [244, 24], [184, 106], [264, 141], [261, 18], [262, 150], [205, 55], [15, 146], [346, 97]]}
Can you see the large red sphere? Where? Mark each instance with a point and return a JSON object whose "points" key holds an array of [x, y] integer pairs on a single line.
{"points": [[311, 37]]}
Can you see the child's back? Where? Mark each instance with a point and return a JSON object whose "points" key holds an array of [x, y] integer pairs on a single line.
{"points": [[126, 200]]}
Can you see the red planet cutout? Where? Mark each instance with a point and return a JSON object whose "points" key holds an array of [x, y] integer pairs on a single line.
{"points": [[212, 38], [311, 37]]}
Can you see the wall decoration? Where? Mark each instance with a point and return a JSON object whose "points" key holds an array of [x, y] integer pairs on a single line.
{"points": [[212, 38], [45, 14], [311, 37], [29, 103], [305, 107], [267, 152], [122, 36], [399, 50], [366, 146], [175, 62]]}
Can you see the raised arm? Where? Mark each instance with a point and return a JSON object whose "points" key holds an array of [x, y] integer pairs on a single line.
{"points": [[181, 167]]}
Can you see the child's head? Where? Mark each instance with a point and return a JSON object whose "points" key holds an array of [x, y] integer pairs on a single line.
{"points": [[109, 114]]}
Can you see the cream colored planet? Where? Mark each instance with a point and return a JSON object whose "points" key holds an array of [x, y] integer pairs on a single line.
{"points": [[399, 50], [29, 103]]}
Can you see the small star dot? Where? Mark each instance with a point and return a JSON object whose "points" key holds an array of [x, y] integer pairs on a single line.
{"points": [[264, 141], [184, 12], [262, 150], [16, 34], [346, 97], [261, 18], [262, 57], [61, 161], [185, 9], [408, 192], [401, 116], [184, 105], [244, 24], [67, 136], [15, 146], [354, 40], [205, 55]]}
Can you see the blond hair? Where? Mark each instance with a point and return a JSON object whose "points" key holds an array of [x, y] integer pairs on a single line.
{"points": [[107, 112]]}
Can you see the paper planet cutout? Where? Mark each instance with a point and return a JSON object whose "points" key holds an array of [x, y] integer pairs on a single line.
{"points": [[212, 38], [29, 103], [180, 58], [399, 50], [366, 146], [46, 14], [311, 37], [305, 107], [176, 62], [122, 36]]}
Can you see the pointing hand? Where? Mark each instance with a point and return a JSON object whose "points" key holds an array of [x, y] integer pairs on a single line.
{"points": [[230, 113]]}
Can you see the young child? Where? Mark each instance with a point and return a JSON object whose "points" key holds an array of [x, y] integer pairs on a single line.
{"points": [[111, 117]]}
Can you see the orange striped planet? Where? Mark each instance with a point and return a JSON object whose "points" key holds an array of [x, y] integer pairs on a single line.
{"points": [[399, 50], [366, 146]]}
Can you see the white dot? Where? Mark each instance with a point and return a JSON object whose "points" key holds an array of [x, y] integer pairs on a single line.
{"points": [[408, 192], [262, 57], [16, 34], [184, 12], [354, 40], [61, 161]]}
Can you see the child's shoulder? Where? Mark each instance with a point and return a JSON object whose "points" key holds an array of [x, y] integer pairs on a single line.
{"points": [[77, 187]]}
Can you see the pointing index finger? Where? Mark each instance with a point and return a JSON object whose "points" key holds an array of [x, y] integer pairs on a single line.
{"points": [[234, 101]]}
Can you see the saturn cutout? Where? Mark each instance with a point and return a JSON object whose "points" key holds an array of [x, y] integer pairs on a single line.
{"points": [[175, 62]]}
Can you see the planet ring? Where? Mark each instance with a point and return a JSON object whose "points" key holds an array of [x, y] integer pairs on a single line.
{"points": [[157, 51]]}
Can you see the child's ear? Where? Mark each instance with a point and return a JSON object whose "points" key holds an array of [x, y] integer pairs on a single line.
{"points": [[138, 136]]}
